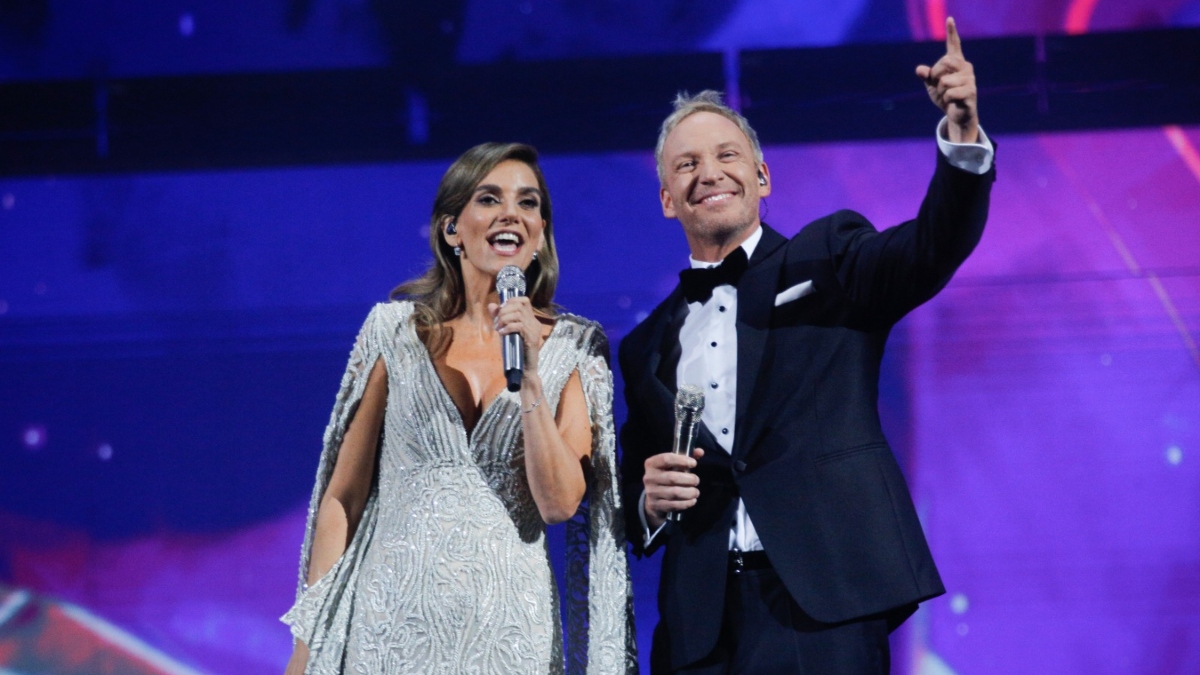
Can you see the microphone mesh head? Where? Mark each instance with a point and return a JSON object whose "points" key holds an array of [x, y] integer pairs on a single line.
{"points": [[689, 397], [510, 279]]}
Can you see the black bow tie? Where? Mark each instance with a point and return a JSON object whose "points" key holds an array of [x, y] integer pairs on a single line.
{"points": [[698, 283]]}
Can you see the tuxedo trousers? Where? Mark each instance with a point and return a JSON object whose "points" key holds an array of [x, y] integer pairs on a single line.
{"points": [[764, 631]]}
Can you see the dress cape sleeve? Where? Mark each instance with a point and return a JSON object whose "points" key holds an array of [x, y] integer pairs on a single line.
{"points": [[601, 636], [321, 615]]}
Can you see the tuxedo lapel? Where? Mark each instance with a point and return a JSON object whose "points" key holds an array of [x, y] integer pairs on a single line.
{"points": [[756, 299], [668, 351], [662, 355], [663, 364]]}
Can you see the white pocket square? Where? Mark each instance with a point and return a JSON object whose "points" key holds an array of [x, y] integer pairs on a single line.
{"points": [[794, 293]]}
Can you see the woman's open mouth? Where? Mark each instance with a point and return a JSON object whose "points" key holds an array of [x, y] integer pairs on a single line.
{"points": [[505, 243]]}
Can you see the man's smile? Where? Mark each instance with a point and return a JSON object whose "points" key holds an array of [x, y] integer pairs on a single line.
{"points": [[714, 198]]}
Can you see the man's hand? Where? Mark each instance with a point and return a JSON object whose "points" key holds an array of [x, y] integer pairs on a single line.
{"points": [[951, 85], [670, 485]]}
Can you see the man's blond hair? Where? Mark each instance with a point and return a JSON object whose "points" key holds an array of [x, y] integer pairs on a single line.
{"points": [[706, 101]]}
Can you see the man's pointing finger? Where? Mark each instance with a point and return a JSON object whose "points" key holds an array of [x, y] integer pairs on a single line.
{"points": [[953, 42]]}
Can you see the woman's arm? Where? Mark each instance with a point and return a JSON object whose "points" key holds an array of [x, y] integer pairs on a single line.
{"points": [[346, 497], [342, 504], [555, 447]]}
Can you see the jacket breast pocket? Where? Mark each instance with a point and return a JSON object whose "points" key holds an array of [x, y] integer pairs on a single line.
{"points": [[795, 312]]}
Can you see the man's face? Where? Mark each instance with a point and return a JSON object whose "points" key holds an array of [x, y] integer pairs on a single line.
{"points": [[712, 179]]}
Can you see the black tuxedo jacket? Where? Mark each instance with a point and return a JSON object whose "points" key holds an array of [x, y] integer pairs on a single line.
{"points": [[809, 460]]}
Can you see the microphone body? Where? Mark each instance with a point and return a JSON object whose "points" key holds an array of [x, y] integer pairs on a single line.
{"points": [[689, 403], [510, 283]]}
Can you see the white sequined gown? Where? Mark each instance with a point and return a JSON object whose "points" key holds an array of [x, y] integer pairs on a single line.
{"points": [[448, 571]]}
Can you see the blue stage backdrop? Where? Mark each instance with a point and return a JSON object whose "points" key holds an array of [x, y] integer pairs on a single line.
{"points": [[170, 343]]}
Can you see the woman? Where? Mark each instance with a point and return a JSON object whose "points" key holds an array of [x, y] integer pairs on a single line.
{"points": [[425, 547]]}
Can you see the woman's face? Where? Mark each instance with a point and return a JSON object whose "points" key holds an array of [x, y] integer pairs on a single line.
{"points": [[502, 224]]}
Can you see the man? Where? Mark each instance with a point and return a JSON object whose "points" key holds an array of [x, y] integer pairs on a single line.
{"points": [[798, 548]]}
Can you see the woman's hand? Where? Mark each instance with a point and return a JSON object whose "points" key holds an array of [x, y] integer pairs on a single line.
{"points": [[517, 316]]}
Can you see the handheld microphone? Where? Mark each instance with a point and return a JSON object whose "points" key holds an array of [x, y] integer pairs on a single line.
{"points": [[510, 283], [689, 403]]}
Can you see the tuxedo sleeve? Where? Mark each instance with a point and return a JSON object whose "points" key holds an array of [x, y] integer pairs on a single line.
{"points": [[887, 273], [636, 445]]}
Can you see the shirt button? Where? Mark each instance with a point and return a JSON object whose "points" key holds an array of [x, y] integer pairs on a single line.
{"points": [[721, 308], [714, 344], [713, 385], [725, 430]]}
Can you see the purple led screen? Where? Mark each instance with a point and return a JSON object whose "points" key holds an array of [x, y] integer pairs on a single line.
{"points": [[172, 343], [40, 39]]}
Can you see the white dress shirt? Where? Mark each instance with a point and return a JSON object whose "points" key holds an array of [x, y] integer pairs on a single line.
{"points": [[708, 342]]}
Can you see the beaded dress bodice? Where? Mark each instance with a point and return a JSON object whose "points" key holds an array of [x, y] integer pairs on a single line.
{"points": [[448, 571]]}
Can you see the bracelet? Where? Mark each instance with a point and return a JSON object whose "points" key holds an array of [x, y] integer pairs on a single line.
{"points": [[535, 404]]}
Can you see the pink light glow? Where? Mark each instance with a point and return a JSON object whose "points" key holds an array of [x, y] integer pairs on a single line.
{"points": [[1183, 145], [1079, 15], [935, 13]]}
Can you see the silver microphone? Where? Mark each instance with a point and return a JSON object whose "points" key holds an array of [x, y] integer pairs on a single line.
{"points": [[510, 283], [689, 403]]}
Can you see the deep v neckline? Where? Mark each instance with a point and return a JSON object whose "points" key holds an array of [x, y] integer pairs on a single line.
{"points": [[448, 400]]}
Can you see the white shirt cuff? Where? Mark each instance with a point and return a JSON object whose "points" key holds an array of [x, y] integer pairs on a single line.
{"points": [[975, 158], [647, 535]]}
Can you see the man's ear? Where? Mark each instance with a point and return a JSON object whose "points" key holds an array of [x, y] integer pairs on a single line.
{"points": [[764, 182], [668, 205]]}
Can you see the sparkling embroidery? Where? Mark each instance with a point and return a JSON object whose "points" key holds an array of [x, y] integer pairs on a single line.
{"points": [[448, 570]]}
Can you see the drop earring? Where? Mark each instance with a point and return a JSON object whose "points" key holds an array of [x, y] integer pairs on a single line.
{"points": [[535, 255], [457, 251]]}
